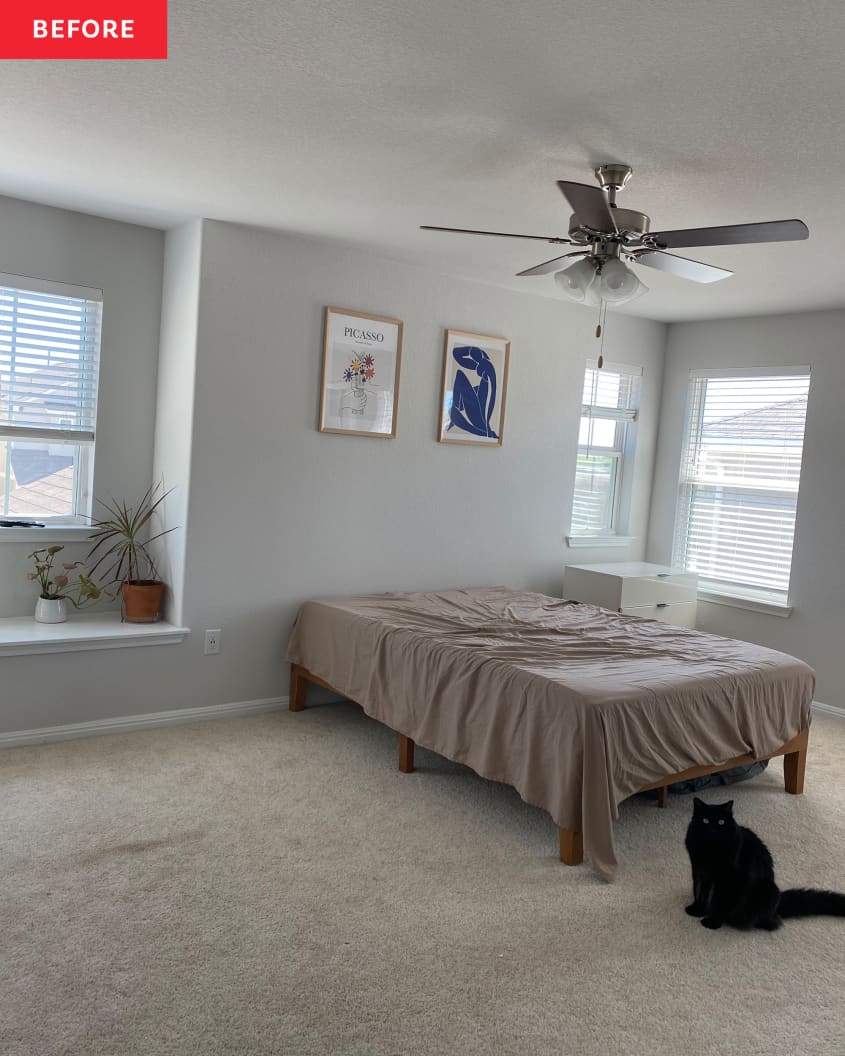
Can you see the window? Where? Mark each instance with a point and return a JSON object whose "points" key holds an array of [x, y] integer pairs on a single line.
{"points": [[740, 469], [49, 359], [605, 447]]}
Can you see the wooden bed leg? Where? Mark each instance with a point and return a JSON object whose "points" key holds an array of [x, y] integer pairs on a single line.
{"points": [[406, 754], [298, 688], [571, 847], [663, 796], [794, 764]]}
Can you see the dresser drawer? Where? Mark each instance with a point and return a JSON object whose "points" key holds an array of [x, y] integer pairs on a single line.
{"points": [[636, 585], [681, 614], [671, 589]]}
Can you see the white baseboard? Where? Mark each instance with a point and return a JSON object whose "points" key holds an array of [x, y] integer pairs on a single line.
{"points": [[128, 723], [828, 709]]}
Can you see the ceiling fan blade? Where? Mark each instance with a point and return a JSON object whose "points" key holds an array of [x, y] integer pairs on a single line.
{"points": [[732, 235], [553, 265], [589, 205], [497, 234], [680, 266]]}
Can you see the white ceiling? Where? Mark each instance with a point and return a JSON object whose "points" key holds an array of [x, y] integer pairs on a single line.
{"points": [[358, 120]]}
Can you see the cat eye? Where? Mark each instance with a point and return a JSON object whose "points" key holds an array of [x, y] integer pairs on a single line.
{"points": [[721, 821], [705, 821]]}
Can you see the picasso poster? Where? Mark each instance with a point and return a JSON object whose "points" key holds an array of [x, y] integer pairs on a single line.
{"points": [[361, 358], [475, 381]]}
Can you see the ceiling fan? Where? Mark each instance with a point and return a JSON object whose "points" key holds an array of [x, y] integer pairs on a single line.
{"points": [[610, 234]]}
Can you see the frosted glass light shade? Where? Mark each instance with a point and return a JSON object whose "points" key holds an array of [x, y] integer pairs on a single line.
{"points": [[617, 284], [577, 281]]}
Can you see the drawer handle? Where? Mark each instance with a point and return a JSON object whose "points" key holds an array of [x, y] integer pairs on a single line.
{"points": [[662, 605], [663, 575]]}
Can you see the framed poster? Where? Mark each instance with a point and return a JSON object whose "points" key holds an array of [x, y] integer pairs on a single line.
{"points": [[360, 388], [475, 382]]}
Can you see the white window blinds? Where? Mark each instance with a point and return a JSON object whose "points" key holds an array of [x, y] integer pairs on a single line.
{"points": [[49, 359], [612, 391], [740, 471]]}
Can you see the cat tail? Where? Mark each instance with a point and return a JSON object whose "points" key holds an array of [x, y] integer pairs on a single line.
{"points": [[811, 902]]}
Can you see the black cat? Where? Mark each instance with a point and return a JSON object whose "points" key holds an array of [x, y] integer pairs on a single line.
{"points": [[733, 876]]}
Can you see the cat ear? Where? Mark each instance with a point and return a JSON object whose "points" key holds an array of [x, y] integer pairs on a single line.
{"points": [[697, 803], [729, 806]]}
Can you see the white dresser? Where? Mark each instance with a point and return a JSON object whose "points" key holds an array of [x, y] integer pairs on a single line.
{"points": [[635, 588]]}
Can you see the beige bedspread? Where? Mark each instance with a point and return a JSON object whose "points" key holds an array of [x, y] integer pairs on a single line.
{"points": [[575, 706]]}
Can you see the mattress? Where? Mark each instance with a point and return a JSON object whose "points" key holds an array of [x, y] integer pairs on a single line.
{"points": [[575, 706]]}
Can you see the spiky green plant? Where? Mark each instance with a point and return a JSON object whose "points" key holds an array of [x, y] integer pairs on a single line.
{"points": [[124, 534]]}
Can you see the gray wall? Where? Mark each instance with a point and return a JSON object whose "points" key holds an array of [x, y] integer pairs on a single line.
{"points": [[124, 261], [281, 512], [814, 630], [278, 512]]}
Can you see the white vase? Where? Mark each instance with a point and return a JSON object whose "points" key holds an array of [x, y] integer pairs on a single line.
{"points": [[50, 610]]}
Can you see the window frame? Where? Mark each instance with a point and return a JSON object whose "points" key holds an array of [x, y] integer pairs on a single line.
{"points": [[756, 598], [82, 440], [622, 453]]}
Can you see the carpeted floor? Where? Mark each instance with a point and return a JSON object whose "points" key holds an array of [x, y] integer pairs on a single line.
{"points": [[273, 885]]}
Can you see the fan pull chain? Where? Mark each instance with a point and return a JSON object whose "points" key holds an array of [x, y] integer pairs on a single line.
{"points": [[600, 332]]}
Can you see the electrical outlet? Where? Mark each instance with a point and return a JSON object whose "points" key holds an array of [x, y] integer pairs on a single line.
{"points": [[212, 642]]}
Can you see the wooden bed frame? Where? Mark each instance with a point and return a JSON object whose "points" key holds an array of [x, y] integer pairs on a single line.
{"points": [[794, 754]]}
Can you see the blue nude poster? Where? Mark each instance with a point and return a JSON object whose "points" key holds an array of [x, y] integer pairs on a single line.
{"points": [[475, 381]]}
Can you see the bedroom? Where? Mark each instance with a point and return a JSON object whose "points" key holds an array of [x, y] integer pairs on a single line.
{"points": [[279, 162]]}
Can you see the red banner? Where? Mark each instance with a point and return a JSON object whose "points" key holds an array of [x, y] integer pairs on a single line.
{"points": [[84, 29]]}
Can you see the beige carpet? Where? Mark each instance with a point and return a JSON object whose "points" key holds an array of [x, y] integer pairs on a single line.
{"points": [[272, 885]]}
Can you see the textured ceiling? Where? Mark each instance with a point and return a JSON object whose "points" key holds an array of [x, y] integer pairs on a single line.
{"points": [[358, 120]]}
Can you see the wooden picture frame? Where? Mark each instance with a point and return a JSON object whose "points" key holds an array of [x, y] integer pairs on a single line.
{"points": [[474, 389], [362, 355]]}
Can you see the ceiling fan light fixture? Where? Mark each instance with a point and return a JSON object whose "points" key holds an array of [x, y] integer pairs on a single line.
{"points": [[609, 232], [578, 282]]}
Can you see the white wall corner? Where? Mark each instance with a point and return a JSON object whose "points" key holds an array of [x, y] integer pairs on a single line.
{"points": [[175, 403]]}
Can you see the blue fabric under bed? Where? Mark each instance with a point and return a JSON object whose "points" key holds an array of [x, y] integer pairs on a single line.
{"points": [[724, 777]]}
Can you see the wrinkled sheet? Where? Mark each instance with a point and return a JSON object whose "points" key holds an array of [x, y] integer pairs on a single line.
{"points": [[575, 706]]}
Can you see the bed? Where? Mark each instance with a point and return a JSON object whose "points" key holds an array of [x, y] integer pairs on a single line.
{"points": [[575, 706]]}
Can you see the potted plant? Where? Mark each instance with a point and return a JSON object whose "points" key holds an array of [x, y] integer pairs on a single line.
{"points": [[121, 548], [57, 588]]}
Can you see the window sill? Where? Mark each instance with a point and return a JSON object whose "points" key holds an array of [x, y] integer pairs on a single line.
{"points": [[595, 542], [769, 608], [21, 635], [57, 533]]}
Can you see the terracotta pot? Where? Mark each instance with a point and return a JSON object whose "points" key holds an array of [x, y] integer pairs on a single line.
{"points": [[142, 600]]}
